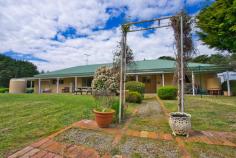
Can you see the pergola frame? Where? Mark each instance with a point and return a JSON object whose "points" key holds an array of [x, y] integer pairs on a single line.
{"points": [[125, 29]]}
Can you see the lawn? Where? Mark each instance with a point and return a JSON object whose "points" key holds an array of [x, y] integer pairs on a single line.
{"points": [[216, 113], [27, 117]]}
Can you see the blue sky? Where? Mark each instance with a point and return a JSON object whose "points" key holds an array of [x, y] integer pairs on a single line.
{"points": [[57, 34]]}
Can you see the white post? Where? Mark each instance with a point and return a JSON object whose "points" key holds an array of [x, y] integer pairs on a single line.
{"points": [[228, 84], [39, 90], [76, 83], [193, 83], [136, 78], [182, 64], [31, 84], [57, 85], [163, 80]]}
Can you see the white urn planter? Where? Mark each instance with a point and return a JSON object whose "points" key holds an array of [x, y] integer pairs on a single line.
{"points": [[180, 123]]}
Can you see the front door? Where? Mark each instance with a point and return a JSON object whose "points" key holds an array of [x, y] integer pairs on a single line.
{"points": [[150, 83]]}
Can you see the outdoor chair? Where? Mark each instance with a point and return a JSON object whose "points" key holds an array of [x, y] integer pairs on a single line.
{"points": [[66, 90]]}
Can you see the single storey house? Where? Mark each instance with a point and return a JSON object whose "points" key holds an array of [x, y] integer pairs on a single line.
{"points": [[154, 73]]}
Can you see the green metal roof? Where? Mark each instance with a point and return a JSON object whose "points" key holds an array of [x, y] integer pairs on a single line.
{"points": [[144, 66]]}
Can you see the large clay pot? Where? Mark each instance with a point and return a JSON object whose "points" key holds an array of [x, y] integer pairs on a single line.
{"points": [[103, 119], [180, 123]]}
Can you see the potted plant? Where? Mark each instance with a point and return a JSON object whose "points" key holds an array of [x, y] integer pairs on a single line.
{"points": [[105, 86], [103, 112]]}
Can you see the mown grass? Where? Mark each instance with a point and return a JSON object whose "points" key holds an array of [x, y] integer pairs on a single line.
{"points": [[198, 150], [209, 112], [25, 118]]}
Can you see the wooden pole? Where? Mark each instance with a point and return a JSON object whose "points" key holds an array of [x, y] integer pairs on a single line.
{"points": [[182, 64], [122, 75], [193, 83]]}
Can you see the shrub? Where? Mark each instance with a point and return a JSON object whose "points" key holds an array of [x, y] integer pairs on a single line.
{"points": [[105, 80], [4, 90], [135, 86], [167, 92], [232, 86], [134, 97], [115, 106]]}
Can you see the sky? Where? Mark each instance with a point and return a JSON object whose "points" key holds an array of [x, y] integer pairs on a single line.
{"points": [[55, 34]]}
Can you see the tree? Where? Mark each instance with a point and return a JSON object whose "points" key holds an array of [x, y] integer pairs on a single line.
{"points": [[217, 59], [10, 68], [167, 58], [116, 56], [218, 25]]}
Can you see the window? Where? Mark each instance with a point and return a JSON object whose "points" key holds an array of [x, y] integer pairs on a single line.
{"points": [[60, 81], [87, 81], [146, 79]]}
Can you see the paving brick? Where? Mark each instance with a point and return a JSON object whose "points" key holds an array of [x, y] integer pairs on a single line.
{"points": [[117, 139], [88, 152], [39, 154], [144, 134], [49, 155], [46, 144], [40, 142], [30, 153], [57, 148], [182, 148], [74, 151], [164, 136], [133, 133], [152, 135], [21, 152]]}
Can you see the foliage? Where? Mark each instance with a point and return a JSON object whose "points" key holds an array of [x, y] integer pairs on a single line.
{"points": [[167, 58], [218, 59], [10, 68], [4, 90], [115, 106], [105, 80], [167, 92], [135, 86], [105, 86], [117, 54], [232, 86], [134, 97], [217, 25]]}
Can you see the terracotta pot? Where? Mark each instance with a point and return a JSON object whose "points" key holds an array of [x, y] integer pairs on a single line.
{"points": [[180, 123], [103, 119]]}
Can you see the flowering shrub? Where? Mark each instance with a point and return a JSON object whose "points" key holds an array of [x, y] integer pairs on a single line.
{"points": [[105, 80]]}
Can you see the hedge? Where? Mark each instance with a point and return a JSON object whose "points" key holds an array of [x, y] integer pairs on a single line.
{"points": [[134, 97], [135, 86], [4, 90], [167, 92]]}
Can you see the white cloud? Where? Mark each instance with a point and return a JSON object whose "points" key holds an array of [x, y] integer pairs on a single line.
{"points": [[28, 27]]}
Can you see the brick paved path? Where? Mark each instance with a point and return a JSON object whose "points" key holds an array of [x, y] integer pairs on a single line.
{"points": [[49, 148]]}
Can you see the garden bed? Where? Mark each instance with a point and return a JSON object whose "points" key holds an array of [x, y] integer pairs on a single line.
{"points": [[100, 141], [142, 147]]}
